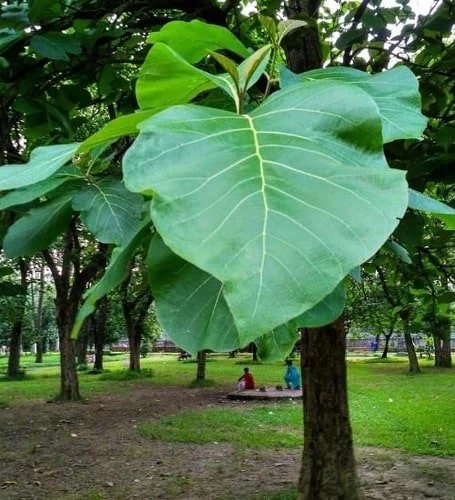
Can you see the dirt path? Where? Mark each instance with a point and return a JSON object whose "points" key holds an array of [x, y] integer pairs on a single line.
{"points": [[93, 452]]}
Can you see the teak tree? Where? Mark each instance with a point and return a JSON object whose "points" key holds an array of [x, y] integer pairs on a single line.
{"points": [[258, 206]]}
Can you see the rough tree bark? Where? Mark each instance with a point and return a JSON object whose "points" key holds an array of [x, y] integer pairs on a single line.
{"points": [[70, 281], [412, 355], [328, 466]]}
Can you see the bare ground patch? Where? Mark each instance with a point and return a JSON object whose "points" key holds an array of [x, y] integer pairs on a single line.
{"points": [[93, 451]]}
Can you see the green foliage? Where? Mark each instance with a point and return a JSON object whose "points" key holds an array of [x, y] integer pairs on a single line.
{"points": [[35, 191], [191, 301], [109, 211], [126, 375], [204, 38], [39, 228], [113, 276], [280, 195], [394, 92], [43, 162], [300, 238]]}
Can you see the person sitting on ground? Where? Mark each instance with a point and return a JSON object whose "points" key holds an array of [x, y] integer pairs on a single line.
{"points": [[292, 376], [246, 381]]}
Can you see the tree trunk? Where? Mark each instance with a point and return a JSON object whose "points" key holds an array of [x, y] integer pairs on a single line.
{"points": [[136, 298], [38, 317], [100, 333], [328, 465], [134, 338], [412, 355], [69, 383], [385, 352], [134, 332], [39, 350], [14, 359], [201, 365], [70, 284], [442, 352], [254, 351], [82, 341]]}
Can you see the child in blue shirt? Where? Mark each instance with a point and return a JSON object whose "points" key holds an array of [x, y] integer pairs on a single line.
{"points": [[292, 376]]}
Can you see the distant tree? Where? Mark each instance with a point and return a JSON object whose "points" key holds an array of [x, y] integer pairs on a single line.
{"points": [[136, 299]]}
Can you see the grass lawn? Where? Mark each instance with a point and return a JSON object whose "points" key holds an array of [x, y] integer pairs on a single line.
{"points": [[389, 407]]}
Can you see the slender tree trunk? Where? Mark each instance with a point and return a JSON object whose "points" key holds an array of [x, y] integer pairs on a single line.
{"points": [[385, 352], [136, 299], [134, 332], [201, 365], [134, 338], [100, 333], [39, 350], [328, 464], [254, 351], [38, 319], [412, 355], [14, 359], [82, 341]]}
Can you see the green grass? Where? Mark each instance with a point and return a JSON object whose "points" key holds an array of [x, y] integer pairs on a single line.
{"points": [[273, 425], [389, 408]]}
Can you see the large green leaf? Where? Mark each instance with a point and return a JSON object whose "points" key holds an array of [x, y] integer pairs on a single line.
{"points": [[114, 275], [325, 311], [204, 38], [269, 204], [166, 78], [44, 161], [420, 201], [55, 45], [190, 304], [395, 92], [119, 127], [110, 211], [278, 344], [44, 10], [191, 308], [34, 191], [424, 203], [39, 228]]}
